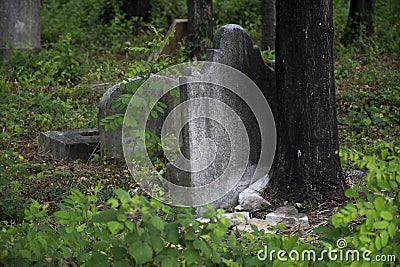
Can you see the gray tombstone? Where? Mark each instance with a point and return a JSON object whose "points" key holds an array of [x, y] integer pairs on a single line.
{"points": [[20, 23], [111, 139], [232, 47]]}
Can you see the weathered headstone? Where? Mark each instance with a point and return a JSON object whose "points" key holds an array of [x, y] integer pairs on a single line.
{"points": [[111, 139], [20, 23], [232, 47]]}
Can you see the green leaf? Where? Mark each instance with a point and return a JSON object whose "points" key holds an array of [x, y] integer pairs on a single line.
{"points": [[384, 238], [168, 262], [97, 260], [101, 245], [351, 193], [191, 256], [122, 218], [160, 109], [157, 243], [381, 225], [190, 234], [25, 254], [154, 114], [62, 214], [131, 237], [161, 104], [290, 243], [141, 252], [384, 185], [123, 195], [118, 252], [137, 101], [43, 242], [393, 185], [121, 263], [80, 228], [386, 215], [379, 203], [199, 244], [115, 227], [157, 223], [378, 243], [392, 230], [384, 153], [365, 239], [35, 247], [105, 216], [216, 258], [129, 225], [172, 232]]}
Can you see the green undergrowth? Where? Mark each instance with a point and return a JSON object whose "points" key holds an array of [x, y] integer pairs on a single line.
{"points": [[128, 231]]}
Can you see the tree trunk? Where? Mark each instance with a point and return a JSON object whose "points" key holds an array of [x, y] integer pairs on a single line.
{"points": [[307, 166], [268, 24], [20, 24], [136, 8], [360, 20], [199, 27]]}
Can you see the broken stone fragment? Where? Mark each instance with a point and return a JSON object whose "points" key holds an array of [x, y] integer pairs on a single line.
{"points": [[251, 201], [267, 226], [288, 215], [236, 218]]}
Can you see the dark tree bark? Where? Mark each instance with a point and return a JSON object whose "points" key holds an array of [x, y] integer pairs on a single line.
{"points": [[268, 24], [307, 167], [360, 20], [199, 27], [136, 8]]}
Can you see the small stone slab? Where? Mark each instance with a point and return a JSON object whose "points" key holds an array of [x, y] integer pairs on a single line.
{"points": [[70, 145], [288, 215]]}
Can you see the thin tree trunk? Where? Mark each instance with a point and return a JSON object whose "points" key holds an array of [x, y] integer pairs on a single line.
{"points": [[136, 8], [307, 166], [268, 24], [360, 20], [199, 27]]}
